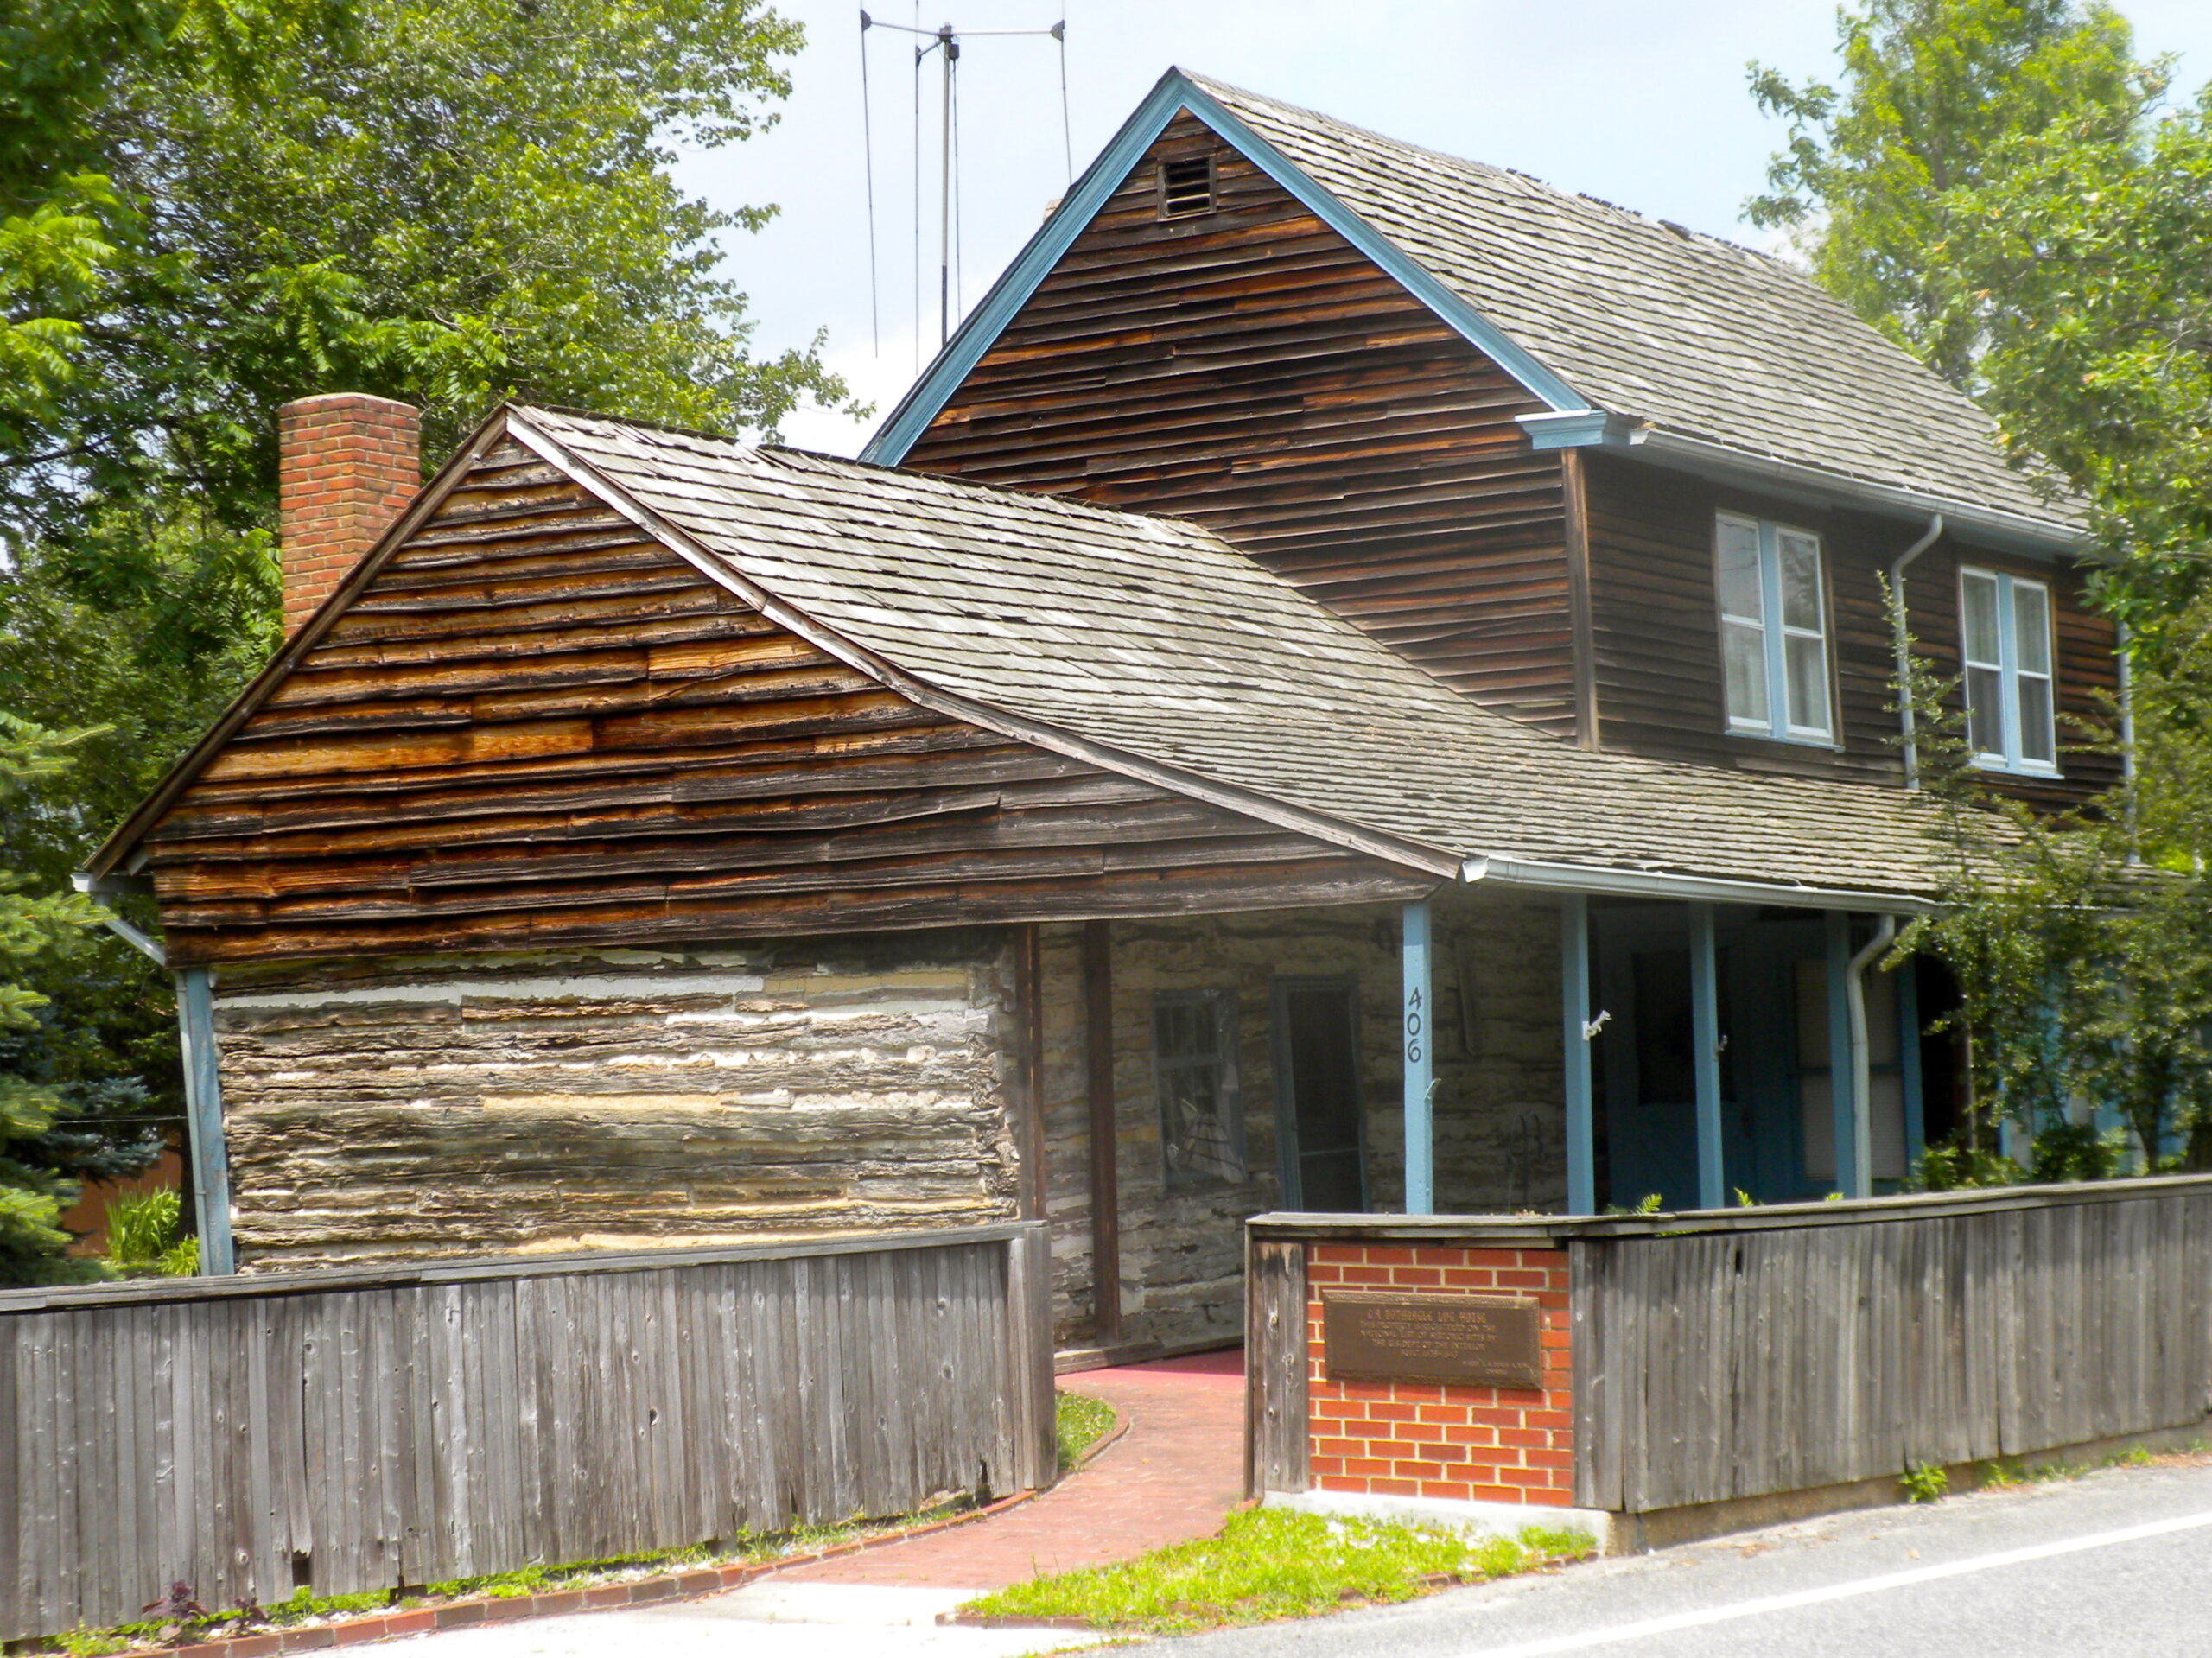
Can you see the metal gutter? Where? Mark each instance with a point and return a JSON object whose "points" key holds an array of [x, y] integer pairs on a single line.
{"points": [[1862, 1069], [1656, 884], [1990, 526], [99, 889]]}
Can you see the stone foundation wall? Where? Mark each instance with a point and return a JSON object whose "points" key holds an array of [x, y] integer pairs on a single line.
{"points": [[435, 1106]]}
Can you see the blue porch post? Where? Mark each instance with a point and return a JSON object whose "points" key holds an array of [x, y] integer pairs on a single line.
{"points": [[1419, 1062], [203, 1105], [1575, 1038], [1704, 1049], [1853, 1140]]}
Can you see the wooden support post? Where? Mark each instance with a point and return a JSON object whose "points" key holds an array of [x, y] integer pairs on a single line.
{"points": [[1847, 1114], [1575, 1038], [203, 1106], [1420, 1061], [1105, 1175], [1029, 1066], [1705, 1057]]}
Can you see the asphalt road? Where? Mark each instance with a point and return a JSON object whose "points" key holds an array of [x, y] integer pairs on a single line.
{"points": [[2119, 1562]]}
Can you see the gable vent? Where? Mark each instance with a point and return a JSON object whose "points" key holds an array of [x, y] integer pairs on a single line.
{"points": [[1186, 187]]}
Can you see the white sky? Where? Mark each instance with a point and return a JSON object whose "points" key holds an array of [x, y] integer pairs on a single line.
{"points": [[1643, 103]]}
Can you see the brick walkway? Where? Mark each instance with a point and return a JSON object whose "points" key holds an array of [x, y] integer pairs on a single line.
{"points": [[1176, 1472]]}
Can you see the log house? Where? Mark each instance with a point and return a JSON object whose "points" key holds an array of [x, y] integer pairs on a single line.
{"points": [[1268, 746]]}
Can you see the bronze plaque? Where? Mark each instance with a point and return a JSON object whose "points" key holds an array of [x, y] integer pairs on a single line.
{"points": [[1475, 1341]]}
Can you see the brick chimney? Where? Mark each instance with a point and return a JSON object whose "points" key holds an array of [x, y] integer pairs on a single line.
{"points": [[348, 464]]}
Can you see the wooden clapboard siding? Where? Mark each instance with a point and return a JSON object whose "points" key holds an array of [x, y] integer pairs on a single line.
{"points": [[1655, 628], [367, 1431], [537, 727], [1252, 372]]}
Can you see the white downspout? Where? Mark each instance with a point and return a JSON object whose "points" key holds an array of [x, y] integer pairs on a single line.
{"points": [[1901, 636], [1862, 1078]]}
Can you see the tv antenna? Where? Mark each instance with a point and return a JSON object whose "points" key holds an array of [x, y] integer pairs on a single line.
{"points": [[944, 41]]}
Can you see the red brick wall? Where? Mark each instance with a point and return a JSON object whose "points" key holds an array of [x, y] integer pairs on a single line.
{"points": [[348, 464], [1399, 1439]]}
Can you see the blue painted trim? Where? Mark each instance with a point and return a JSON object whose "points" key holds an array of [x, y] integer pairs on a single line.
{"points": [[203, 1106], [1909, 1079], [1851, 1173], [1704, 1058], [1575, 1040], [1578, 429], [1174, 93], [1419, 1070]]}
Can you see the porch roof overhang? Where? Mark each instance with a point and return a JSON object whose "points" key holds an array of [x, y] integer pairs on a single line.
{"points": [[1599, 881]]}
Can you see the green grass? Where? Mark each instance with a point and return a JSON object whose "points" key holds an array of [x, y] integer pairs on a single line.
{"points": [[1275, 1563], [1078, 1423]]}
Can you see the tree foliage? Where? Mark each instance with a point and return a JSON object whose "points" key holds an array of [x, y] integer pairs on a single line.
{"points": [[2001, 186], [210, 207]]}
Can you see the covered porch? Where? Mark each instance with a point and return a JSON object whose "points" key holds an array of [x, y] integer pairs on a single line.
{"points": [[1500, 1046]]}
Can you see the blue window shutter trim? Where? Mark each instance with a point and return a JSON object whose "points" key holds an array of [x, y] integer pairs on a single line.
{"points": [[1100, 180]]}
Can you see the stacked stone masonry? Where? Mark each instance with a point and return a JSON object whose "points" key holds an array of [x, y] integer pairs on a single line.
{"points": [[409, 1108], [1413, 1439]]}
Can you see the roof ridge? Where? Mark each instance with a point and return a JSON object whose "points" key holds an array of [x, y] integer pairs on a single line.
{"points": [[1494, 169], [771, 451]]}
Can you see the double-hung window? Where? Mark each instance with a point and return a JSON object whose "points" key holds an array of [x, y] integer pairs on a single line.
{"points": [[2004, 630], [1194, 1062], [1774, 634]]}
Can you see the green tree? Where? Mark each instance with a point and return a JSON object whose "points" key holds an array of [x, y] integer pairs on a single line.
{"points": [[209, 208], [1933, 93], [39, 1162]]}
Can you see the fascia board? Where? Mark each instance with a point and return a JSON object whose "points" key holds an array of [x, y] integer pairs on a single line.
{"points": [[1815, 485], [1174, 94]]}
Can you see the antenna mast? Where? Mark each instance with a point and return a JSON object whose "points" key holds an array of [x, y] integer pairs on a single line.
{"points": [[945, 41]]}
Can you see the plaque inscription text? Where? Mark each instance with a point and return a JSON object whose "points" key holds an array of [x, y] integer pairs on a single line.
{"points": [[1475, 1341]]}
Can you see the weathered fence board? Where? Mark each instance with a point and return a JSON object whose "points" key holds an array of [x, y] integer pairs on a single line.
{"points": [[1736, 1362], [1739, 1353], [367, 1429]]}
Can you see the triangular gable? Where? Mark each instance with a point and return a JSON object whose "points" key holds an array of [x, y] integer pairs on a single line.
{"points": [[1176, 93]]}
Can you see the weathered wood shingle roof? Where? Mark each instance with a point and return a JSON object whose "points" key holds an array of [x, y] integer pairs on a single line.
{"points": [[1695, 334], [1153, 641], [1723, 358]]}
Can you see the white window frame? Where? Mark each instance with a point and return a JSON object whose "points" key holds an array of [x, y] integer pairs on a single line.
{"points": [[2011, 756], [1775, 634]]}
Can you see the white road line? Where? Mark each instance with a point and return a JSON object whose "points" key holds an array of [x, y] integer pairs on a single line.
{"points": [[1889, 1580]]}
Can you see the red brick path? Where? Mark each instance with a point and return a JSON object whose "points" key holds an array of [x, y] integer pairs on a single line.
{"points": [[1403, 1438], [1177, 1471]]}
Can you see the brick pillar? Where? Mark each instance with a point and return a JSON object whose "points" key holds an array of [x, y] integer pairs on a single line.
{"points": [[348, 464]]}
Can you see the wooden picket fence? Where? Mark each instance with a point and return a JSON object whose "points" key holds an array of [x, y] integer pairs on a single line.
{"points": [[360, 1430]]}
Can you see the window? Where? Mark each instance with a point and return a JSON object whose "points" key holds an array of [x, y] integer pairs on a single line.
{"points": [[1194, 1062], [2004, 638], [1186, 187], [1774, 646]]}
